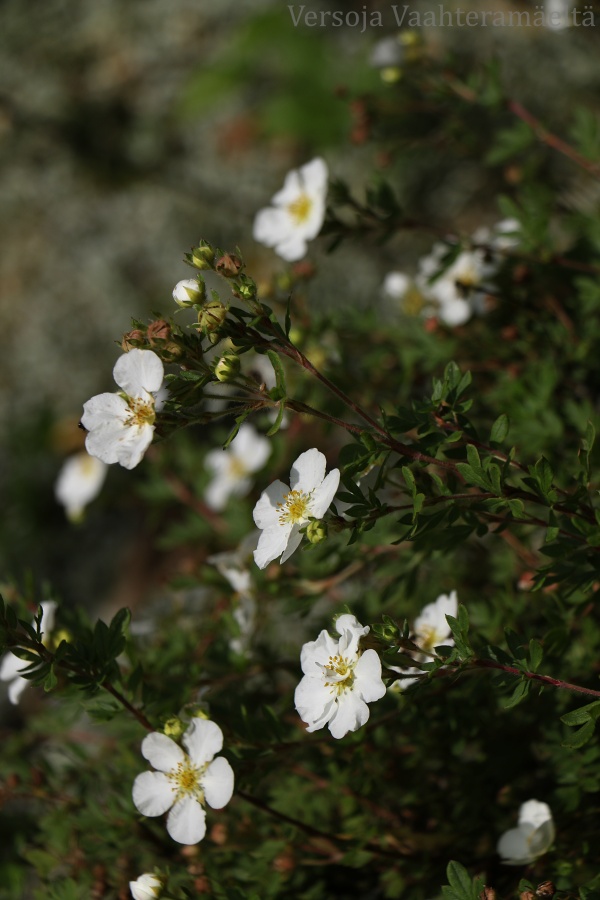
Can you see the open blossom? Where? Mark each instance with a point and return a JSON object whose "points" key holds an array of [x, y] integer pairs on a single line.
{"points": [[12, 665], [79, 482], [339, 680], [184, 782], [297, 212], [121, 426], [430, 629], [531, 838], [232, 468], [282, 511], [146, 887]]}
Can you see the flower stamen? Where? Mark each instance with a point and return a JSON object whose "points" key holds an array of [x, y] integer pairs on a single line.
{"points": [[300, 208], [294, 508]]}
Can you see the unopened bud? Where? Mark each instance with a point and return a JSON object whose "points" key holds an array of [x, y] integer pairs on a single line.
{"points": [[146, 887], [245, 288], [488, 893], [212, 315], [189, 291], [132, 339], [229, 265], [527, 895], [159, 330], [173, 727], [228, 366], [316, 531], [172, 350], [202, 256], [545, 890]]}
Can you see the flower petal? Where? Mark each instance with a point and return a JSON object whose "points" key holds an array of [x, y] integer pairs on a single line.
{"points": [[431, 622], [350, 714], [367, 673], [513, 846], [308, 471], [315, 654], [271, 544], [314, 701], [269, 226], [266, 514], [324, 494], [162, 752], [535, 812], [16, 688], [139, 371], [294, 541], [152, 793], [186, 823], [292, 247], [217, 783], [10, 666], [203, 740], [104, 410]]}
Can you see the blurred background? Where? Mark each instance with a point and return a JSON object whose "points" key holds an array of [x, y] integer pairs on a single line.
{"points": [[130, 130]]}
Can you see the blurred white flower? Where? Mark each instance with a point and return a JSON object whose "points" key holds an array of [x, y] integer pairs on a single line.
{"points": [[234, 565], [79, 482], [430, 629], [11, 665], [184, 782], [232, 468], [282, 511], [339, 680], [532, 837], [297, 212], [121, 425], [146, 887]]}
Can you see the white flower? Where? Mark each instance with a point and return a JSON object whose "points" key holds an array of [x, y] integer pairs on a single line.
{"points": [[532, 837], [231, 468], [79, 482], [297, 212], [184, 782], [282, 511], [395, 285], [233, 565], [430, 629], [146, 887], [121, 426], [338, 680], [12, 665]]}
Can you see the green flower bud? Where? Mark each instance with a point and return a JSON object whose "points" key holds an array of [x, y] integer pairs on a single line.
{"points": [[212, 315], [245, 288], [202, 256], [228, 366], [173, 727], [316, 531]]}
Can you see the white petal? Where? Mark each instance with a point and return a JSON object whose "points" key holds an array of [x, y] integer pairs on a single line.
{"points": [[271, 544], [125, 445], [203, 740], [308, 471], [513, 846], [367, 673], [315, 654], [396, 284], [162, 752], [293, 186], [351, 632], [266, 514], [269, 226], [79, 481], [104, 410], [146, 887], [324, 494], [217, 783], [431, 622], [294, 541], [186, 823], [152, 793], [10, 666], [314, 701], [314, 175], [292, 248], [218, 492], [139, 371], [534, 812], [350, 714], [16, 688], [542, 838]]}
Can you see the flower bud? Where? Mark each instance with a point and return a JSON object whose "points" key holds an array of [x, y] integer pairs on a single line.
{"points": [[316, 531], [229, 265], [159, 330], [527, 895], [146, 887], [228, 366], [212, 315], [202, 256], [245, 288], [488, 893], [545, 890], [131, 339], [189, 291], [173, 727]]}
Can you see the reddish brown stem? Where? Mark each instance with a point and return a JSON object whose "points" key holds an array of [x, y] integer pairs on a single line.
{"points": [[533, 676], [552, 140]]}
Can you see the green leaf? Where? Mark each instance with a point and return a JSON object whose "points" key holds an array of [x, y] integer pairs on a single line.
{"points": [[473, 457], [409, 480], [499, 429], [277, 423], [581, 736], [279, 374], [588, 713], [520, 692], [535, 654], [51, 680]]}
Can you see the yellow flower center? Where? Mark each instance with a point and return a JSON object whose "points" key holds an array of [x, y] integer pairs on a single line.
{"points": [[300, 208], [294, 508], [428, 638], [186, 780], [237, 468], [342, 670], [141, 411]]}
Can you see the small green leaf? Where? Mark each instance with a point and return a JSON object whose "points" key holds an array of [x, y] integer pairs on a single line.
{"points": [[473, 456], [535, 654], [499, 429], [279, 373], [277, 423], [519, 693]]}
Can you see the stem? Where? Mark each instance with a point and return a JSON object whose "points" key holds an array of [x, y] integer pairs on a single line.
{"points": [[552, 140], [533, 676]]}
